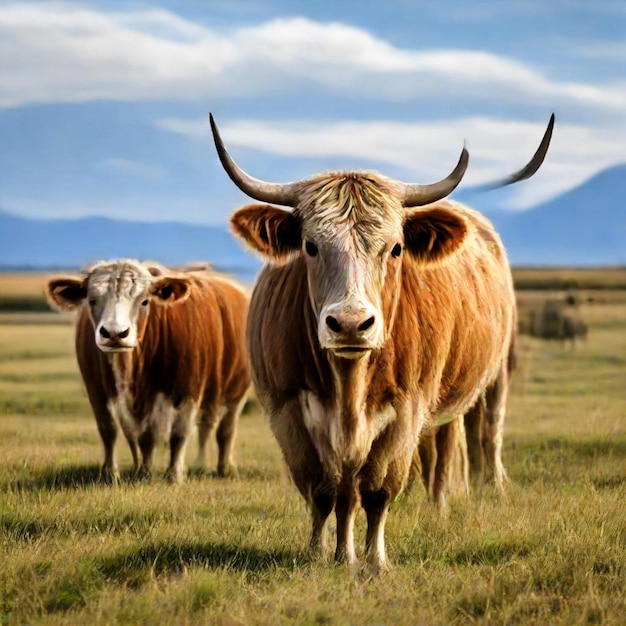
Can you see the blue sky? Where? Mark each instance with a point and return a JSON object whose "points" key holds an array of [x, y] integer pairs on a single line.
{"points": [[104, 105]]}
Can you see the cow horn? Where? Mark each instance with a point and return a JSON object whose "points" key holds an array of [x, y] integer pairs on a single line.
{"points": [[418, 195], [531, 167], [283, 194]]}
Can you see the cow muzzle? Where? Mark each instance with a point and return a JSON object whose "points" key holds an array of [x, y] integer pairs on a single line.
{"points": [[113, 339], [350, 332]]}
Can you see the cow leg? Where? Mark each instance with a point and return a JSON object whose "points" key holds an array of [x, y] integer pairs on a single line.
{"points": [[346, 509], [131, 438], [226, 432], [451, 468], [415, 471], [178, 445], [305, 468], [444, 444], [146, 446], [383, 478], [184, 418], [496, 397], [376, 505], [206, 426], [427, 451], [474, 425], [322, 505], [107, 427], [461, 472]]}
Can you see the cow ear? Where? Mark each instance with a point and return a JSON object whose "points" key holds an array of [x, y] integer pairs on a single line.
{"points": [[433, 234], [66, 292], [272, 231], [170, 289]]}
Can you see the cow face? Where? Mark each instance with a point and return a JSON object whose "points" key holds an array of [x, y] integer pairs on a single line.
{"points": [[118, 295], [352, 233]]}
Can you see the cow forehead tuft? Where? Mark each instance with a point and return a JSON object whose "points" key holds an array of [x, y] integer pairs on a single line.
{"points": [[117, 267], [118, 276], [354, 198]]}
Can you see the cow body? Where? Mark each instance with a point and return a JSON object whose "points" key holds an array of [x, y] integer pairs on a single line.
{"points": [[186, 361], [348, 428]]}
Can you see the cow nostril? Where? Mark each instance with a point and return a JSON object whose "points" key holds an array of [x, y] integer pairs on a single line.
{"points": [[104, 332], [123, 334], [333, 324], [368, 323]]}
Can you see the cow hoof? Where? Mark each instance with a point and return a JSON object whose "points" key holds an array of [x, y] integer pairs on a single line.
{"points": [[374, 569], [144, 475], [174, 477], [109, 476], [227, 471], [317, 548]]}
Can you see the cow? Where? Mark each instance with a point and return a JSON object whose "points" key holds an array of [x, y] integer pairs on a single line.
{"points": [[559, 319], [157, 351], [381, 309]]}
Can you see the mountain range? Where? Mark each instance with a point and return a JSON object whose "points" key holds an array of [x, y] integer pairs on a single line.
{"points": [[582, 227]]}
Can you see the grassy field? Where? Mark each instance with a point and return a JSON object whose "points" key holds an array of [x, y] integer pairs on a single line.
{"points": [[74, 551], [569, 278]]}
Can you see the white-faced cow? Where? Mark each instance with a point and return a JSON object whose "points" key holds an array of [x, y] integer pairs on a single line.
{"points": [[374, 316], [158, 351]]}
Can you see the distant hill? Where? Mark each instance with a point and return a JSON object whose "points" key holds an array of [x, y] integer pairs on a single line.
{"points": [[584, 227], [71, 244]]}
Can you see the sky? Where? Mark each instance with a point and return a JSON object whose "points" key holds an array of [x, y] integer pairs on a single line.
{"points": [[104, 104]]}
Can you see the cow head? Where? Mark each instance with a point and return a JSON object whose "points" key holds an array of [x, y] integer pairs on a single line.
{"points": [[118, 295], [352, 232]]}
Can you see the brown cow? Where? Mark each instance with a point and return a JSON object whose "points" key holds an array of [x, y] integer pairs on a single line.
{"points": [[559, 319], [369, 321], [158, 350]]}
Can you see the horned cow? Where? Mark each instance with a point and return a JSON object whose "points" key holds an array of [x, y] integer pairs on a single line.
{"points": [[157, 351], [370, 321]]}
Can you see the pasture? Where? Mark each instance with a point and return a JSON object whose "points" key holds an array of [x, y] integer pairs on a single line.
{"points": [[232, 551]]}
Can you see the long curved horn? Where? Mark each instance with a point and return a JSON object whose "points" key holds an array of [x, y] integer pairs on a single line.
{"points": [[284, 194], [418, 195], [531, 167]]}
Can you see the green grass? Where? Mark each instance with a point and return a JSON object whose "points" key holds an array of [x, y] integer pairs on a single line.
{"points": [[232, 551]]}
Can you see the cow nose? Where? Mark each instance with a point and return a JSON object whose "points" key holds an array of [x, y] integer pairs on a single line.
{"points": [[107, 334], [349, 324]]}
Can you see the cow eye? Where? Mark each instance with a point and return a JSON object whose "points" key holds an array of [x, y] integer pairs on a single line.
{"points": [[311, 248], [145, 303], [92, 301], [396, 251]]}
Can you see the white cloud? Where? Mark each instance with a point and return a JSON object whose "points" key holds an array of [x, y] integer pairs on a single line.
{"points": [[61, 53], [424, 152]]}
